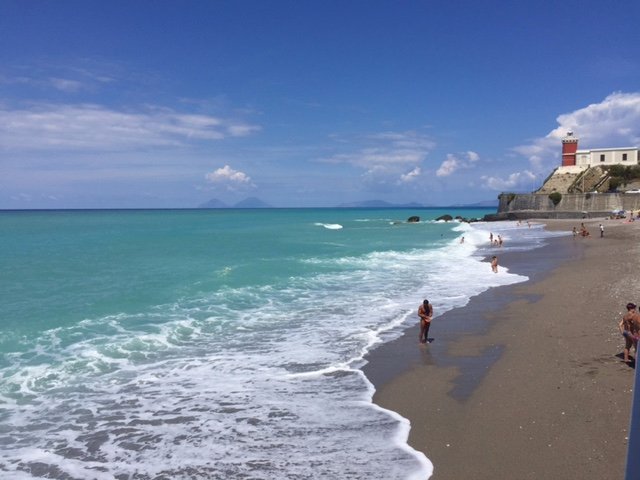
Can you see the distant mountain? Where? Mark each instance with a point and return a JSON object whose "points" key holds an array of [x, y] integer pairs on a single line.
{"points": [[214, 203], [378, 204], [485, 203], [252, 202]]}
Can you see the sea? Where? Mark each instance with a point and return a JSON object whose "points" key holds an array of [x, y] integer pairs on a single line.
{"points": [[221, 344]]}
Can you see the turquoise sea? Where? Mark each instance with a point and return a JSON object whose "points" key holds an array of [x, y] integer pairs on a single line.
{"points": [[219, 344]]}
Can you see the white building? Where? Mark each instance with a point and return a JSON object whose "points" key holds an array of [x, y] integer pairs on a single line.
{"points": [[574, 159], [608, 156]]}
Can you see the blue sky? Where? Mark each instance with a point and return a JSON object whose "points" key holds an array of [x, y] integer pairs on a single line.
{"points": [[126, 104]]}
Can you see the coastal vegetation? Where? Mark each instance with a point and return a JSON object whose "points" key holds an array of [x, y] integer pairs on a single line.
{"points": [[555, 197], [621, 175]]}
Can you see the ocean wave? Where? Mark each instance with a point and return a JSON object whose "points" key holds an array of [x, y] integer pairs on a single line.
{"points": [[329, 226]]}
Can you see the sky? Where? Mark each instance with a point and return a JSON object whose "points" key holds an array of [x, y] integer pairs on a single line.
{"points": [[168, 104]]}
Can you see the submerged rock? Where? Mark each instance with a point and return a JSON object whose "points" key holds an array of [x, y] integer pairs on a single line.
{"points": [[414, 219]]}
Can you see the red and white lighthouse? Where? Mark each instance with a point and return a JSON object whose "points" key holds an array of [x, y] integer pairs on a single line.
{"points": [[569, 149]]}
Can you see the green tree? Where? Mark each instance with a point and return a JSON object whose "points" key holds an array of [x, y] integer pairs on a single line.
{"points": [[555, 197], [617, 171], [614, 183]]}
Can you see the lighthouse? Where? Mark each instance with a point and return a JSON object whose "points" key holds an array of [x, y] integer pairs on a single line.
{"points": [[569, 148]]}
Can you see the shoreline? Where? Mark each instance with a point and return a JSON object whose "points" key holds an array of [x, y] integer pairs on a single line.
{"points": [[525, 381]]}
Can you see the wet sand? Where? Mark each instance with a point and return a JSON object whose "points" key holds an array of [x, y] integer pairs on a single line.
{"points": [[526, 381]]}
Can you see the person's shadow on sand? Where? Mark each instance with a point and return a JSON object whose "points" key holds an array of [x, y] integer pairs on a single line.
{"points": [[631, 363]]}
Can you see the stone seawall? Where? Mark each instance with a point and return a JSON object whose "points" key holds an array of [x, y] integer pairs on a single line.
{"points": [[521, 206]]}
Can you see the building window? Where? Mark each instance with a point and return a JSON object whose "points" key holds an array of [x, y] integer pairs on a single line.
{"points": [[624, 157], [602, 157]]}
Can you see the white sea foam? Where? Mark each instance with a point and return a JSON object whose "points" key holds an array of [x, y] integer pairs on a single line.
{"points": [[330, 226]]}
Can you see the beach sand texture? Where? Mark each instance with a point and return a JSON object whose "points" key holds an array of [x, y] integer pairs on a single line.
{"points": [[537, 390]]}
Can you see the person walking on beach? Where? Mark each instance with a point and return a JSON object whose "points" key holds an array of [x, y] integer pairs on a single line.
{"points": [[425, 312], [630, 328], [601, 231], [494, 264]]}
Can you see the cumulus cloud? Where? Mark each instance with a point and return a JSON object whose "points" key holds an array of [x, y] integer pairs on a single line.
{"points": [[473, 156], [455, 162], [448, 166], [512, 181], [95, 127], [410, 176], [613, 122], [230, 178]]}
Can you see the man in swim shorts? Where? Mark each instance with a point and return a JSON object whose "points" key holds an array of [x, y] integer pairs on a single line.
{"points": [[630, 329], [425, 312]]}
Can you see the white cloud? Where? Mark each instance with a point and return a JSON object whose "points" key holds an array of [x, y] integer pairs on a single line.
{"points": [[455, 162], [242, 130], [411, 176], [95, 127], [229, 178], [410, 140], [614, 122], [514, 180], [377, 157], [66, 85], [448, 166], [388, 149], [386, 156]]}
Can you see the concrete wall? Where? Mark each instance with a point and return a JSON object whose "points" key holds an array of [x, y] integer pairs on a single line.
{"points": [[571, 206]]}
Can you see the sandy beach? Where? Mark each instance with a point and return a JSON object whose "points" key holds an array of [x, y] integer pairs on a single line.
{"points": [[534, 386]]}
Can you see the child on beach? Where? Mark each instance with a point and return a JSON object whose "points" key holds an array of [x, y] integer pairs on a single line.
{"points": [[494, 264]]}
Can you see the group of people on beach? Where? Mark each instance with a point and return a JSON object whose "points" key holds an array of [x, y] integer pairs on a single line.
{"points": [[630, 330], [495, 241], [583, 231]]}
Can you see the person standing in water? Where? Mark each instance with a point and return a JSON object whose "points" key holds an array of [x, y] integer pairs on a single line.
{"points": [[494, 264], [425, 312]]}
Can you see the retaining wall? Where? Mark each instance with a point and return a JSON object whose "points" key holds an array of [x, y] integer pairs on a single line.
{"points": [[531, 205]]}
